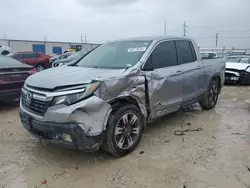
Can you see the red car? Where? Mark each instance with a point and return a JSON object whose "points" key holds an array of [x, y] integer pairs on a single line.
{"points": [[36, 59], [12, 77]]}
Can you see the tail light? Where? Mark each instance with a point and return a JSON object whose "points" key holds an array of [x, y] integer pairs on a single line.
{"points": [[32, 71]]}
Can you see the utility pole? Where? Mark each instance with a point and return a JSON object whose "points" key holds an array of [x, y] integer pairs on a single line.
{"points": [[5, 36], [216, 40], [165, 28], [45, 38], [85, 39], [81, 38], [185, 29]]}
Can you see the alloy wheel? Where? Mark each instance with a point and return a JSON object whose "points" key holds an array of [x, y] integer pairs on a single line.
{"points": [[127, 131], [213, 94]]}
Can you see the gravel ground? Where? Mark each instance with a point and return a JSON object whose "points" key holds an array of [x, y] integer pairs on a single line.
{"points": [[217, 157]]}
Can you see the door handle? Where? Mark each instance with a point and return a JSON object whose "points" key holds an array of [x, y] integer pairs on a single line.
{"points": [[178, 72]]}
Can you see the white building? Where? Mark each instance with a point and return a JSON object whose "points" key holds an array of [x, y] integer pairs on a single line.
{"points": [[48, 47]]}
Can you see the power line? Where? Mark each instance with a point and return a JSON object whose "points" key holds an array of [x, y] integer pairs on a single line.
{"points": [[184, 29]]}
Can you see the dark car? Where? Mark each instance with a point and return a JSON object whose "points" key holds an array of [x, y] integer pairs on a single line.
{"points": [[12, 76], [71, 59], [36, 59], [60, 56]]}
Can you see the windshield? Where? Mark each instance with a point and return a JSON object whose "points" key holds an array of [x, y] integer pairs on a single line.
{"points": [[233, 59], [245, 60], [77, 55], [238, 59], [115, 55]]}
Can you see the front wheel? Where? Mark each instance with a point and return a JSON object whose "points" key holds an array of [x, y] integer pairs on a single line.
{"points": [[40, 67], [124, 130], [211, 97]]}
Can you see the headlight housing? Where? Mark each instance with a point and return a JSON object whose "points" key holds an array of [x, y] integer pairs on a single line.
{"points": [[75, 97]]}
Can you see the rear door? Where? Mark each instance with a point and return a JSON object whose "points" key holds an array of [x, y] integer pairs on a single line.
{"points": [[12, 74], [192, 70], [30, 58], [165, 82]]}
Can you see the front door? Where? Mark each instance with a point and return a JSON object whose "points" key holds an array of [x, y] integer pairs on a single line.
{"points": [[165, 82]]}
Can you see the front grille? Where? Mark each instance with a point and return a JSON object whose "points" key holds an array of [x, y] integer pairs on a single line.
{"points": [[229, 74], [35, 106]]}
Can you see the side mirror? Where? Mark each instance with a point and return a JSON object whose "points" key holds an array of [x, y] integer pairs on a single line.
{"points": [[148, 66]]}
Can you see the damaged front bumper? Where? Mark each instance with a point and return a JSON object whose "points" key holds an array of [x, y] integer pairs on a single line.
{"points": [[80, 126]]}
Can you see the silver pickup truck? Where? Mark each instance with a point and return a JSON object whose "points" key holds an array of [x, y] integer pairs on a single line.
{"points": [[106, 98]]}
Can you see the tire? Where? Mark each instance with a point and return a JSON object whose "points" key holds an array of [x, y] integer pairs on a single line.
{"points": [[121, 138], [5, 52], [40, 67], [211, 97]]}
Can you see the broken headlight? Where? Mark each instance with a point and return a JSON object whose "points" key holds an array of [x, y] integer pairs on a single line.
{"points": [[74, 98]]}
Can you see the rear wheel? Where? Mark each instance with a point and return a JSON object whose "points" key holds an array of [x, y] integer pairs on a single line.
{"points": [[124, 130], [40, 67], [211, 97], [5, 52]]}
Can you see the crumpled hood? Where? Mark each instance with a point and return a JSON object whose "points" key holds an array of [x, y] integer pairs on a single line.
{"points": [[66, 76], [238, 66]]}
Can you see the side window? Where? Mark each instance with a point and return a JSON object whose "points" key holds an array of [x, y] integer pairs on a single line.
{"points": [[185, 53], [193, 51], [17, 56], [30, 55], [164, 55]]}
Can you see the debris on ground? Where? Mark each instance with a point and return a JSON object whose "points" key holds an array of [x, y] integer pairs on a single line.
{"points": [[44, 181], [167, 141], [141, 152], [248, 169], [181, 132], [236, 133], [189, 124]]}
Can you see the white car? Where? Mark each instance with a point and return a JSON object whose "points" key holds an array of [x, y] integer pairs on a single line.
{"points": [[4, 50], [238, 70]]}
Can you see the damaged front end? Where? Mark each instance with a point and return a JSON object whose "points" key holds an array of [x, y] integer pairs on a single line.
{"points": [[77, 116], [51, 116], [237, 76]]}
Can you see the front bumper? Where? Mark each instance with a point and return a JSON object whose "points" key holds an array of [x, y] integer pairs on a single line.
{"points": [[53, 133], [84, 121]]}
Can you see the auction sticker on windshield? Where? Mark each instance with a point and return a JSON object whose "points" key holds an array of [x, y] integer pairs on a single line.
{"points": [[139, 49]]}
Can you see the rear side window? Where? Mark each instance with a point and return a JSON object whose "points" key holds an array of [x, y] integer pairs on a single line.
{"points": [[17, 56], [30, 55], [164, 55], [186, 53]]}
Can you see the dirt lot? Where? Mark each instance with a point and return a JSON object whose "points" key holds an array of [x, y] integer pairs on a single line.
{"points": [[217, 156]]}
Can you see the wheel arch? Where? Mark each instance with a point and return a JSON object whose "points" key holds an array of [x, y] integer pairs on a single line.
{"points": [[119, 101], [217, 77]]}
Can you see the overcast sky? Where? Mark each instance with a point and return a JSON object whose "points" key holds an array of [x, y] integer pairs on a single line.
{"points": [[104, 20]]}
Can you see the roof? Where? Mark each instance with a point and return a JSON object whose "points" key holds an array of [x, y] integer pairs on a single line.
{"points": [[154, 38]]}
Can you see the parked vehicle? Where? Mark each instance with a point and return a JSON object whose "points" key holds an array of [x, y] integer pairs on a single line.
{"points": [[4, 50], [106, 98], [208, 55], [238, 70], [74, 48], [70, 59], [60, 57], [36, 59], [12, 76]]}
